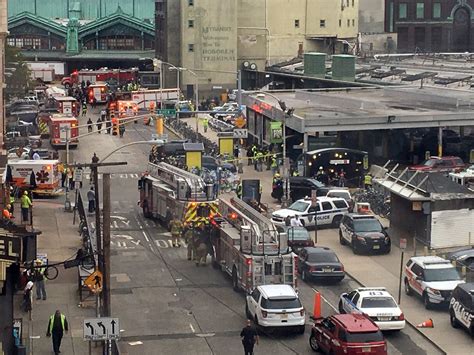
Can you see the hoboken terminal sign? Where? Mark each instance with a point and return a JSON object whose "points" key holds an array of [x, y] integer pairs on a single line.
{"points": [[10, 248]]}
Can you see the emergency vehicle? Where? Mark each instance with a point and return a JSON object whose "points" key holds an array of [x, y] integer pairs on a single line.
{"points": [[105, 74], [58, 126], [42, 176], [97, 91], [127, 108], [250, 249], [67, 105], [166, 189], [143, 98]]}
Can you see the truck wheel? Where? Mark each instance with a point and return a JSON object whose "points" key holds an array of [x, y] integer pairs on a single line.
{"points": [[453, 320], [426, 301], [313, 343], [336, 221], [235, 280], [341, 239], [408, 290]]}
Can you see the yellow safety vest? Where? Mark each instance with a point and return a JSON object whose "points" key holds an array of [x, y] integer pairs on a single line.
{"points": [[368, 180], [51, 322]]}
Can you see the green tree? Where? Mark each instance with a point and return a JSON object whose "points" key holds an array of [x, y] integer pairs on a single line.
{"points": [[17, 74]]}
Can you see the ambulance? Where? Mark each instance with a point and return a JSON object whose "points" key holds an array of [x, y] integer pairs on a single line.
{"points": [[98, 91], [41, 176], [58, 127], [67, 105]]}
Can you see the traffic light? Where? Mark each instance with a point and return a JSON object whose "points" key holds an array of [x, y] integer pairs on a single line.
{"points": [[159, 125], [115, 125]]}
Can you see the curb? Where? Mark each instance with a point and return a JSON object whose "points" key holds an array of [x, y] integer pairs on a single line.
{"points": [[406, 320]]}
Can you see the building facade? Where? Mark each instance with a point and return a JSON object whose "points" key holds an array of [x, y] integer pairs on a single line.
{"points": [[219, 37], [81, 32], [431, 25]]}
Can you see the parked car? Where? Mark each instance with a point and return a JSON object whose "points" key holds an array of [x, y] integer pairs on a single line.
{"points": [[275, 306], [329, 211], [463, 257], [437, 164], [301, 187], [343, 193], [350, 334], [461, 307], [298, 237], [432, 278], [234, 106], [364, 233], [375, 302], [320, 263]]}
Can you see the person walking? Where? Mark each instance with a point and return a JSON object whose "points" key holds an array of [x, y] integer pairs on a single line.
{"points": [[84, 108], [38, 277], [176, 229], [57, 325], [249, 338], [26, 304], [90, 125], [189, 238], [26, 203], [99, 125], [205, 124], [91, 200], [368, 181]]}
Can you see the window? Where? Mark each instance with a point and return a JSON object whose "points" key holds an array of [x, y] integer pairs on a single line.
{"points": [[322, 23], [348, 23], [436, 10], [327, 206], [190, 2], [402, 10], [190, 47], [353, 22], [281, 303], [340, 203], [420, 10], [297, 23], [256, 295], [356, 298], [190, 23], [340, 23]]}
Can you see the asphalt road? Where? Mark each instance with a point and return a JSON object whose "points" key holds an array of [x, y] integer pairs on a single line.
{"points": [[168, 305]]}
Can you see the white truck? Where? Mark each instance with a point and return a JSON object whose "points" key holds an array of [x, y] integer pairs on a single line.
{"points": [[143, 98], [249, 248]]}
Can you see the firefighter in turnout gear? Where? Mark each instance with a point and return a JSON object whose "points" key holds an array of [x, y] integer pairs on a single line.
{"points": [[201, 244], [176, 229], [190, 239]]}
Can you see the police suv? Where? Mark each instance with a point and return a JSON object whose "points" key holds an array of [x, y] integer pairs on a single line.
{"points": [[377, 303], [329, 211], [461, 307], [431, 277]]}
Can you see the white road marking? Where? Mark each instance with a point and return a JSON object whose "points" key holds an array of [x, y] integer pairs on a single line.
{"points": [[161, 243], [146, 237], [192, 328]]}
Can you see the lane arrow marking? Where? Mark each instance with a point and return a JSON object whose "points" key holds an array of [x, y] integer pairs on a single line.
{"points": [[88, 325], [100, 324]]}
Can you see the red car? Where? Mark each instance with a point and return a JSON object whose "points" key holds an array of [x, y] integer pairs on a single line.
{"points": [[347, 334], [437, 164]]}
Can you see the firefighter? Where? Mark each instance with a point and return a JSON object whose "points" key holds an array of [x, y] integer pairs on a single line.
{"points": [[176, 230], [121, 129], [201, 244], [190, 239], [368, 181], [84, 108]]}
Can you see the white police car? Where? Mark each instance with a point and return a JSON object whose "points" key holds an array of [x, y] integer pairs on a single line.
{"points": [[329, 211], [431, 277], [377, 304], [461, 307]]}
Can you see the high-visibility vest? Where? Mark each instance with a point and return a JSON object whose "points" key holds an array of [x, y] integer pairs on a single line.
{"points": [[25, 201], [51, 322], [368, 180]]}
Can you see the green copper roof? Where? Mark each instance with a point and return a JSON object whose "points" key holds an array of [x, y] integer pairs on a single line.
{"points": [[88, 9], [41, 22]]}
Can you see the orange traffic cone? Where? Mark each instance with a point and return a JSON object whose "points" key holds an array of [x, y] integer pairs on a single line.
{"points": [[426, 324]]}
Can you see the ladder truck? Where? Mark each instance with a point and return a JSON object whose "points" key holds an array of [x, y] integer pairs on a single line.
{"points": [[166, 189], [248, 247]]}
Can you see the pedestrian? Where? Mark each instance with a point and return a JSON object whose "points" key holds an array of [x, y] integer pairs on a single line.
{"points": [[91, 199], [99, 125], [176, 230], [121, 129], [189, 238], [274, 164], [25, 206], [249, 338], [38, 277], [342, 178], [201, 244], [84, 108], [71, 178], [205, 124], [295, 222], [12, 201], [93, 102], [368, 181], [57, 325], [90, 125], [26, 304]]}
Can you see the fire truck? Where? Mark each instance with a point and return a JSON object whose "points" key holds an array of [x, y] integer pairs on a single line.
{"points": [[166, 189], [93, 76], [59, 124], [67, 105], [97, 91], [250, 249]]}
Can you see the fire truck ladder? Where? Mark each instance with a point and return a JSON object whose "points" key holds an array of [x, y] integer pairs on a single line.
{"points": [[170, 175]]}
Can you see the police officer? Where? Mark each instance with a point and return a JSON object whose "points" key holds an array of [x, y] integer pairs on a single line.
{"points": [[176, 229], [57, 325]]}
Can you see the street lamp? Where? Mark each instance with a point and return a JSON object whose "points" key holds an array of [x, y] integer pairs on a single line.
{"points": [[178, 69]]}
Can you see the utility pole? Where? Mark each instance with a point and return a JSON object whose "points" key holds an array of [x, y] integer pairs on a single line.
{"points": [[106, 244]]}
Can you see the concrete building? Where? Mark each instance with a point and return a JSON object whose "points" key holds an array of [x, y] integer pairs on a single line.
{"points": [[371, 16], [216, 37], [431, 25]]}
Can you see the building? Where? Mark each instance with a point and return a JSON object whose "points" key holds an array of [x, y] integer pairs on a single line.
{"points": [[371, 16], [431, 25], [215, 39], [82, 33]]}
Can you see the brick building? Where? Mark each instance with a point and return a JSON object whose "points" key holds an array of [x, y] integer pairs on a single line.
{"points": [[431, 25]]}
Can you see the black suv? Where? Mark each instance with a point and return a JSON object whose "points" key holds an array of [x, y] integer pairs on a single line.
{"points": [[364, 233], [461, 307], [301, 187]]}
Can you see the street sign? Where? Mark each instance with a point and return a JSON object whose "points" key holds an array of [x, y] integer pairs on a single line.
{"points": [[78, 175], [240, 122], [167, 112], [314, 198], [241, 133], [403, 243], [101, 328], [94, 282], [10, 248]]}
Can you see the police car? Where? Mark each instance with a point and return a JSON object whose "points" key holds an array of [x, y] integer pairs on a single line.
{"points": [[377, 304], [431, 277], [461, 307], [329, 211]]}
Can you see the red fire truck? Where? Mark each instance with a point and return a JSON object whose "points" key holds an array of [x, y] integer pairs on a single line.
{"points": [[59, 126], [67, 105], [97, 91], [93, 76]]}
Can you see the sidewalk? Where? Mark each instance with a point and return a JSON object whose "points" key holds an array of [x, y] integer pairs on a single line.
{"points": [[60, 241]]}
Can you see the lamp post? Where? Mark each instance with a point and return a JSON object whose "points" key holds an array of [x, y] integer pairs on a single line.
{"points": [[178, 69]]}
